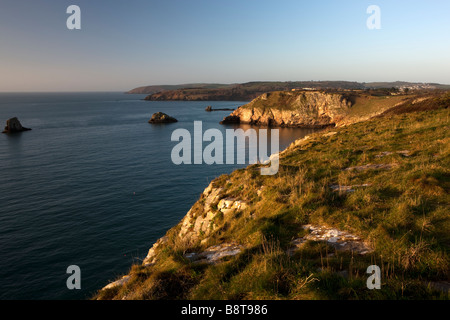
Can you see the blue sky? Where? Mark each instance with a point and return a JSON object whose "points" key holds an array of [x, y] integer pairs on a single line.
{"points": [[125, 44]]}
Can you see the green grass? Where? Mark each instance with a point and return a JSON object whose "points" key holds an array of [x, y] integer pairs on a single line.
{"points": [[366, 104], [403, 214]]}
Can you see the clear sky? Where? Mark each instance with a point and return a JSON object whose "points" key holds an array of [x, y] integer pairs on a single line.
{"points": [[126, 44]]}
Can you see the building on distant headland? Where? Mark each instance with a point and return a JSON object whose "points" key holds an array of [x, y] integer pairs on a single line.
{"points": [[304, 89]]}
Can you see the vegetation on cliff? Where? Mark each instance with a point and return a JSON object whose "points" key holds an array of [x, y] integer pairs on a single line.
{"points": [[384, 181]]}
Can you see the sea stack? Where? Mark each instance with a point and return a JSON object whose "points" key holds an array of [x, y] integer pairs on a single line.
{"points": [[160, 117], [13, 125]]}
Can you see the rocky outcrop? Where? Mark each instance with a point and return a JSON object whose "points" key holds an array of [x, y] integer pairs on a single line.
{"points": [[309, 109], [160, 117], [215, 254], [199, 224], [150, 259], [121, 282], [13, 125], [340, 240]]}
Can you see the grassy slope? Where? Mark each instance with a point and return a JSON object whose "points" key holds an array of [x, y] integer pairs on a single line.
{"points": [[404, 214], [365, 104]]}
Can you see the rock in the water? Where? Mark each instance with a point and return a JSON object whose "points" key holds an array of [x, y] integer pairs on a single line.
{"points": [[160, 117], [231, 119], [13, 125], [210, 109]]}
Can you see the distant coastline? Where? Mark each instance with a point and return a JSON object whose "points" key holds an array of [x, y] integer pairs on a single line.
{"points": [[251, 90]]}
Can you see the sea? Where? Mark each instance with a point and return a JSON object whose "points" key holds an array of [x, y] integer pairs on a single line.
{"points": [[93, 185]]}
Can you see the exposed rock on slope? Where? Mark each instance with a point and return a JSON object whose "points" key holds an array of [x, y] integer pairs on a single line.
{"points": [[340, 240], [215, 254], [197, 224], [293, 109], [13, 125]]}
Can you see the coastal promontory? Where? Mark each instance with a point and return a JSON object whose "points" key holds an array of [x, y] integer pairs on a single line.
{"points": [[316, 108]]}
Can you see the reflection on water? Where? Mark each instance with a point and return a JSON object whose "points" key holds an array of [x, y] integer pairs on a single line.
{"points": [[285, 137]]}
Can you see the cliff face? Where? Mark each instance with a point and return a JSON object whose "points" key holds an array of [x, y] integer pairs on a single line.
{"points": [[293, 109]]}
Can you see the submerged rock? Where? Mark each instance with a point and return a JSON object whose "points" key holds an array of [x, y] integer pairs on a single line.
{"points": [[13, 125], [160, 117]]}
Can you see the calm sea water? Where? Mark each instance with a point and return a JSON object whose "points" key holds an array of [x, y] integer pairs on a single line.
{"points": [[92, 185]]}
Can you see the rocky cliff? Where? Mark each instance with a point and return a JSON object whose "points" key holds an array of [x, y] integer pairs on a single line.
{"points": [[293, 109]]}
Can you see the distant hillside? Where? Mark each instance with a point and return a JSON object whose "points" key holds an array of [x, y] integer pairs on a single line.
{"points": [[159, 88], [251, 90], [246, 91]]}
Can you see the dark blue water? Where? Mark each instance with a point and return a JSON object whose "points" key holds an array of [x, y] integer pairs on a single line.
{"points": [[92, 185]]}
